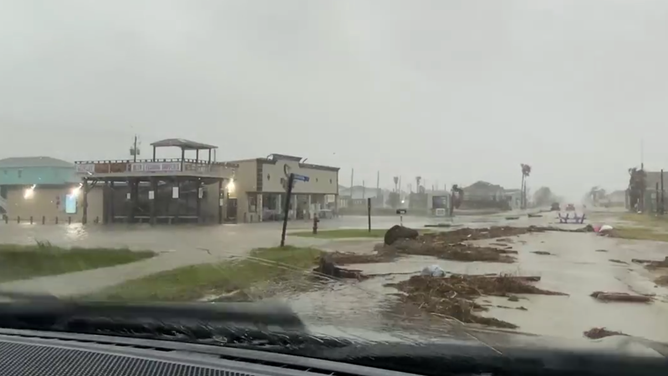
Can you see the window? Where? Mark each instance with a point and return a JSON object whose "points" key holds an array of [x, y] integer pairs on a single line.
{"points": [[252, 202]]}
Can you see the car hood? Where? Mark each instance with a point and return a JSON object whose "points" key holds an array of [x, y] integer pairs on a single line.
{"points": [[500, 340]]}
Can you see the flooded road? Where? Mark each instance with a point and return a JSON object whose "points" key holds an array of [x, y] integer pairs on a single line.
{"points": [[574, 268]]}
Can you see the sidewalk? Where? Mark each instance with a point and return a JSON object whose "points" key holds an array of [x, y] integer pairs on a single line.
{"points": [[89, 281]]}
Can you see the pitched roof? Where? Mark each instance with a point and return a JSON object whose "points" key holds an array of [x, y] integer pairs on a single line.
{"points": [[483, 185], [18, 162], [183, 144]]}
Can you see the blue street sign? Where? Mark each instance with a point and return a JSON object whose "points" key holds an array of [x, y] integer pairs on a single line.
{"points": [[301, 177]]}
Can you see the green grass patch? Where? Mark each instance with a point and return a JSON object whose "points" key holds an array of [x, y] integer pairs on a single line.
{"points": [[646, 219], [342, 233], [347, 233], [197, 281], [640, 233], [27, 261]]}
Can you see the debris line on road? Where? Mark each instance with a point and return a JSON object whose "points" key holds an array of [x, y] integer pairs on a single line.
{"points": [[453, 296]]}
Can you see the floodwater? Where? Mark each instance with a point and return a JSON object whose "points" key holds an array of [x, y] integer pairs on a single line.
{"points": [[574, 268]]}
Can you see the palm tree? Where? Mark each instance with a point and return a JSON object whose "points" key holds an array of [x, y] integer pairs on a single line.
{"points": [[526, 171], [637, 186]]}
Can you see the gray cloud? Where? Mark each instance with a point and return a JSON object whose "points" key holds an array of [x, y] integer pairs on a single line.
{"points": [[454, 91]]}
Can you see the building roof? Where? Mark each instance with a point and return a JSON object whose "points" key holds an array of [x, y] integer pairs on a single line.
{"points": [[483, 185], [654, 177], [360, 192], [284, 156], [183, 144], [21, 162]]}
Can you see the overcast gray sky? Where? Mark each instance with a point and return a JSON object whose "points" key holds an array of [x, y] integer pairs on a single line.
{"points": [[454, 91]]}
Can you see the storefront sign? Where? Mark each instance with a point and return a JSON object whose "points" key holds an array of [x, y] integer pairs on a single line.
{"points": [[156, 167], [85, 168]]}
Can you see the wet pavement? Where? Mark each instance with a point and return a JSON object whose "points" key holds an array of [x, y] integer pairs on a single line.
{"points": [[574, 268]]}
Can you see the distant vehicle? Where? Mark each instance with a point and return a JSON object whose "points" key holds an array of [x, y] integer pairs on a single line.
{"points": [[570, 207], [555, 206]]}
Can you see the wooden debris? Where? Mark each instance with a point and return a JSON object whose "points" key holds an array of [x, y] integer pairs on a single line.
{"points": [[328, 267], [620, 297], [597, 333]]}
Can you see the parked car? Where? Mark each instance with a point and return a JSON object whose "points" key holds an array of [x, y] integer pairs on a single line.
{"points": [[570, 207], [555, 206]]}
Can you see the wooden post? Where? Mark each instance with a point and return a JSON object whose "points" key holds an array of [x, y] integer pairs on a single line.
{"points": [[220, 201], [154, 189], [105, 203], [84, 217], [198, 202], [368, 205], [662, 206], [291, 179], [178, 204], [112, 194], [132, 184]]}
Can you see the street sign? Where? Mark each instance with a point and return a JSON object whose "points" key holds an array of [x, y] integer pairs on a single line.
{"points": [[301, 177], [401, 211]]}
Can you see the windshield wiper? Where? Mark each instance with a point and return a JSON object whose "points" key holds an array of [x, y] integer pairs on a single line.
{"points": [[244, 325]]}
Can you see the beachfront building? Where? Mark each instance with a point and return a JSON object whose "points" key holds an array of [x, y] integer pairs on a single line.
{"points": [[36, 187], [190, 188], [259, 189]]}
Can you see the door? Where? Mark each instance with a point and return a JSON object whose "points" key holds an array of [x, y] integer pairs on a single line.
{"points": [[231, 209]]}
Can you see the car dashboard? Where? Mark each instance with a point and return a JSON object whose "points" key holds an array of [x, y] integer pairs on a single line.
{"points": [[42, 354]]}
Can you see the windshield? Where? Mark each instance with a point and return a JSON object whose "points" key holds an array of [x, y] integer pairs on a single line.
{"points": [[414, 170]]}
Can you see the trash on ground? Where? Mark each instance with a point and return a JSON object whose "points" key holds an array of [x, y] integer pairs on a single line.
{"points": [[439, 225], [504, 240], [657, 264], [397, 232], [620, 297], [531, 215], [598, 333], [457, 252], [433, 270], [328, 267], [453, 296], [447, 245], [662, 281]]}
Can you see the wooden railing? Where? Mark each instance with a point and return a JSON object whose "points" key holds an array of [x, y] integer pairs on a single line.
{"points": [[151, 166]]}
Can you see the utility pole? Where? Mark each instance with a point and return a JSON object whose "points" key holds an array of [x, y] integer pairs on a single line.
{"points": [[134, 151], [379, 200]]}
